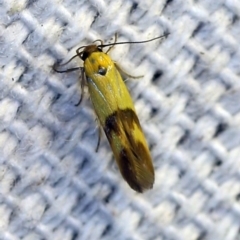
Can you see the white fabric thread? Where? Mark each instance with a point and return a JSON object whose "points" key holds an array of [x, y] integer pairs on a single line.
{"points": [[53, 185]]}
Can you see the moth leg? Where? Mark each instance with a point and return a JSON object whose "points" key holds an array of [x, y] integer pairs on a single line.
{"points": [[57, 65], [99, 136], [125, 74], [83, 80]]}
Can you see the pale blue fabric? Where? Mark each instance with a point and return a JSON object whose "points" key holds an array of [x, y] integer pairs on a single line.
{"points": [[54, 186]]}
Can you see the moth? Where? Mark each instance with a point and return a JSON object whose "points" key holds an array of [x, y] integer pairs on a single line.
{"points": [[115, 110]]}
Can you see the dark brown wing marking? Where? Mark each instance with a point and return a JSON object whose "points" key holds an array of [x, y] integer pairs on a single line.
{"points": [[128, 172], [132, 155], [112, 125], [130, 116], [136, 169]]}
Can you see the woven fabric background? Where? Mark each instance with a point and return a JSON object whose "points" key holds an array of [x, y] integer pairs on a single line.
{"points": [[53, 185]]}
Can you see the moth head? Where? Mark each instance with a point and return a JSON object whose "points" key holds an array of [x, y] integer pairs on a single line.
{"points": [[88, 50]]}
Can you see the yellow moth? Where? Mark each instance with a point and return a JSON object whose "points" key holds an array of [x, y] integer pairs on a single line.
{"points": [[114, 108]]}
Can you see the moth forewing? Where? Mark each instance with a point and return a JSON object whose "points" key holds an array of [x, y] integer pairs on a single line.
{"points": [[115, 110]]}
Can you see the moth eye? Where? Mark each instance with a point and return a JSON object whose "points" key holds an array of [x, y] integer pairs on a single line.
{"points": [[84, 55], [102, 71]]}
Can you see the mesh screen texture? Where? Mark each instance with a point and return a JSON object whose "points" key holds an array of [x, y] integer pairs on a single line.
{"points": [[53, 185]]}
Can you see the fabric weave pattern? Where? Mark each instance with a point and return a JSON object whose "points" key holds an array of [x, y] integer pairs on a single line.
{"points": [[53, 185]]}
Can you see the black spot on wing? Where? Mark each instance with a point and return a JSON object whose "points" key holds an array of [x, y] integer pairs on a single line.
{"points": [[111, 125], [102, 70]]}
